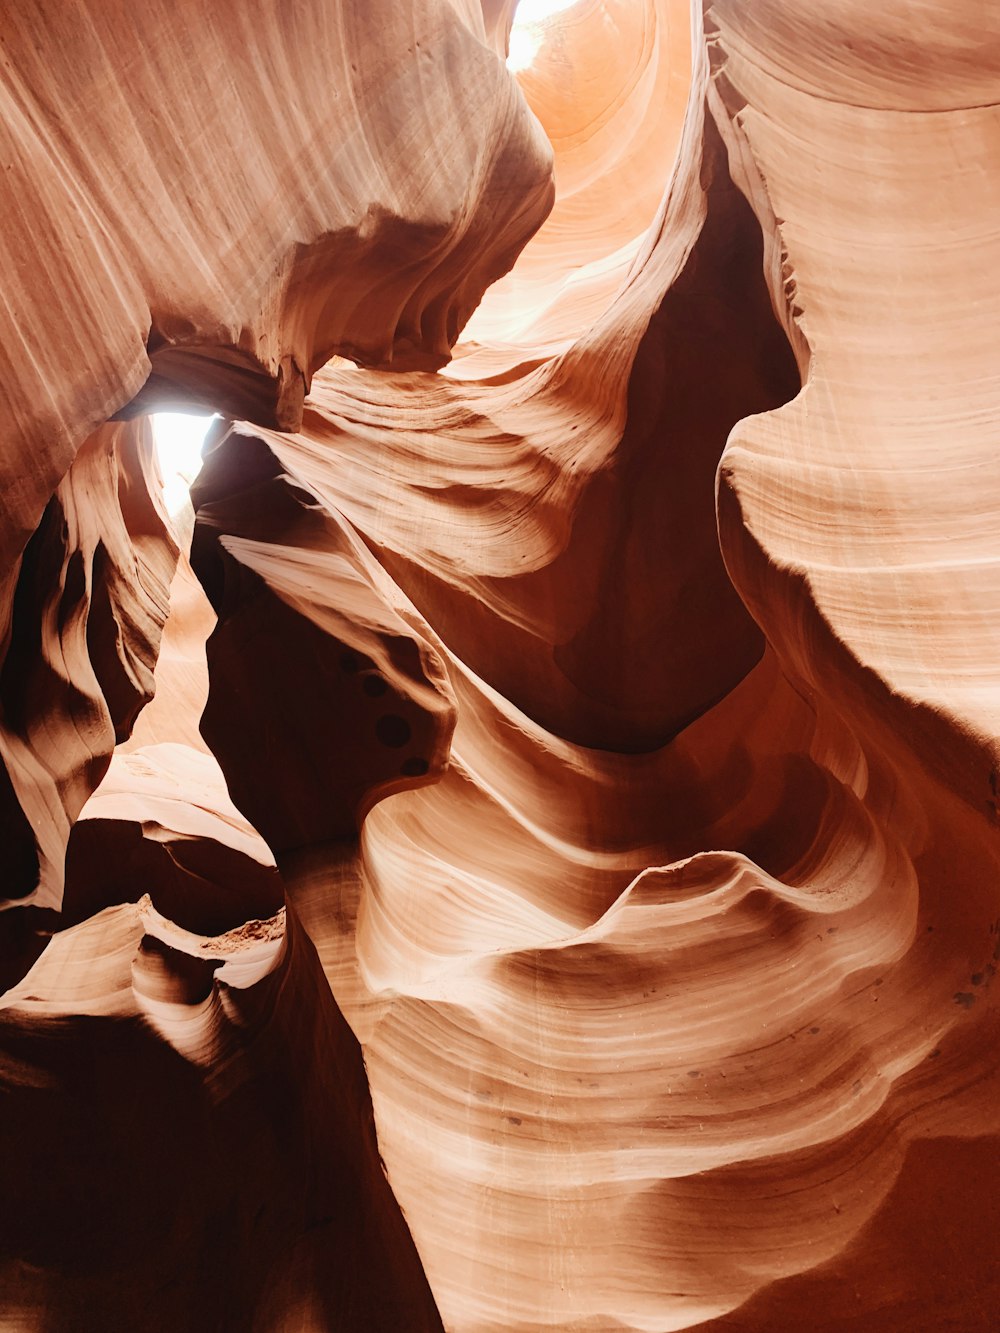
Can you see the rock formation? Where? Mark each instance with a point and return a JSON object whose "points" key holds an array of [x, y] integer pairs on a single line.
{"points": [[528, 859]]}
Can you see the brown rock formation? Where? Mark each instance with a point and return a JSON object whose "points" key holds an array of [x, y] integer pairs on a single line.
{"points": [[246, 249], [555, 883], [188, 1140], [85, 610]]}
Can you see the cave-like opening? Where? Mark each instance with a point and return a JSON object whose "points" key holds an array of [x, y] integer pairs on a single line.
{"points": [[179, 437]]}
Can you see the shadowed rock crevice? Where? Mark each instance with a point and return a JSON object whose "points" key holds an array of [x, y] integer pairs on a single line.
{"points": [[544, 875], [223, 1211]]}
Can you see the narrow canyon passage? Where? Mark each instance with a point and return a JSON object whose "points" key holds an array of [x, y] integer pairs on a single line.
{"points": [[516, 847]]}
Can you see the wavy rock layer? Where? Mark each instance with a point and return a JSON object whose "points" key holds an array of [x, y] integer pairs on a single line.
{"points": [[172, 1160], [200, 208], [229, 251], [206, 209], [89, 600], [654, 1027], [613, 710], [162, 818]]}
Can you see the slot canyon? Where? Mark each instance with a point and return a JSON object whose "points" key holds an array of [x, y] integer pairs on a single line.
{"points": [[517, 846]]}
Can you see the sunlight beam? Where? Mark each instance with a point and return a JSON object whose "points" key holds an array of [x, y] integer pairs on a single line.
{"points": [[178, 437], [528, 31]]}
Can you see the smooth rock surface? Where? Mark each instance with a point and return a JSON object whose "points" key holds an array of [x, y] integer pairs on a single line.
{"points": [[555, 884]]}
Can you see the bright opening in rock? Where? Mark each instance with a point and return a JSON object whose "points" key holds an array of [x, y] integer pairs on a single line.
{"points": [[178, 437], [528, 31]]}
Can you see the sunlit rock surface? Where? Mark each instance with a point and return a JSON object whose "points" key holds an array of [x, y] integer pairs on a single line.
{"points": [[556, 881]]}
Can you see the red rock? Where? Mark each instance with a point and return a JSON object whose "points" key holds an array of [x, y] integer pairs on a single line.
{"points": [[555, 883]]}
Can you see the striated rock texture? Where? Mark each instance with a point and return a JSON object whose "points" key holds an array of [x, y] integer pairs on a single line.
{"points": [[556, 884], [84, 609], [205, 211], [189, 1142]]}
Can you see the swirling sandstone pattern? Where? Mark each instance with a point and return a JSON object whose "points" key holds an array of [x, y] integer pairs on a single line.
{"points": [[215, 231], [85, 608], [597, 925]]}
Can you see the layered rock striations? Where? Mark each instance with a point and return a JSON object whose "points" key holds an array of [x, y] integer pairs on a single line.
{"points": [[211, 229], [85, 609], [555, 882]]}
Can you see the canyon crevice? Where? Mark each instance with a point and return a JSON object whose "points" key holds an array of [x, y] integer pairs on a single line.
{"points": [[520, 849]]}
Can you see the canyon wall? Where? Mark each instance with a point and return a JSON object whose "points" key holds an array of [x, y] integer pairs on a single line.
{"points": [[522, 852]]}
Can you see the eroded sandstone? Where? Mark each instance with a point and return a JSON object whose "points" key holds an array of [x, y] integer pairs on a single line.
{"points": [[555, 882]]}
